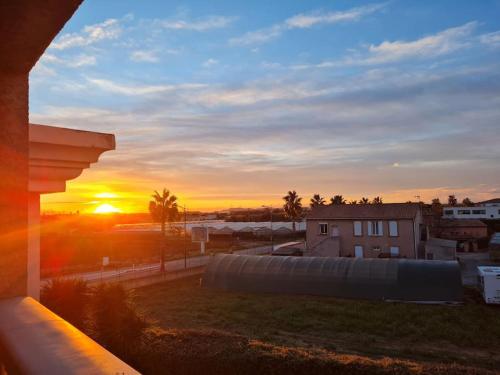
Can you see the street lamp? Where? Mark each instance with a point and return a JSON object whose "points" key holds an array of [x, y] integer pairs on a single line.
{"points": [[271, 222]]}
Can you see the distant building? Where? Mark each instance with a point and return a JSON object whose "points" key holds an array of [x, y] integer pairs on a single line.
{"points": [[465, 229], [365, 230], [440, 249], [487, 210], [467, 232]]}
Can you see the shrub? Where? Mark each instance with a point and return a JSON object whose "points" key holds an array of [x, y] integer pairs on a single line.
{"points": [[68, 298], [116, 324]]}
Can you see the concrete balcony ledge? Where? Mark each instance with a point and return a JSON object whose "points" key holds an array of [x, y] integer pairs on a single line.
{"points": [[34, 340], [57, 155]]}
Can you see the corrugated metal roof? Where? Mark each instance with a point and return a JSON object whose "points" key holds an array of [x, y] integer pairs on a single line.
{"points": [[386, 279], [365, 211]]}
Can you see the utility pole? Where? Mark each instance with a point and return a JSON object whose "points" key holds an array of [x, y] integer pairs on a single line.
{"points": [[272, 234], [271, 222], [185, 239]]}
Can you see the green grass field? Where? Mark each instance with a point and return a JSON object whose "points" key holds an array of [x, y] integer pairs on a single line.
{"points": [[468, 334]]}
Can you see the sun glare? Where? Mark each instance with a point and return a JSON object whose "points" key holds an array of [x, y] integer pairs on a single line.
{"points": [[105, 195], [106, 208]]}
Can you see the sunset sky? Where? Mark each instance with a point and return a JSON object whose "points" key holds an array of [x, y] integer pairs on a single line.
{"points": [[232, 103]]}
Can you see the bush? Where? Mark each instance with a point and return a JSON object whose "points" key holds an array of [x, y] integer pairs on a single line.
{"points": [[68, 298], [116, 324], [106, 313]]}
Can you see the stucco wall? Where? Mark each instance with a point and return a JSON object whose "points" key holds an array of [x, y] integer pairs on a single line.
{"points": [[13, 183], [347, 240]]}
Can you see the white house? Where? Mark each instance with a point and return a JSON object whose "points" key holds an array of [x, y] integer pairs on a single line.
{"points": [[484, 210]]}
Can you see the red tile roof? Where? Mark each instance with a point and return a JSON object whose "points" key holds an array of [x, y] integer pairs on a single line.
{"points": [[468, 223], [365, 211]]}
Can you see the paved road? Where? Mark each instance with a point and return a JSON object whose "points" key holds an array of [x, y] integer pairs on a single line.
{"points": [[170, 266]]}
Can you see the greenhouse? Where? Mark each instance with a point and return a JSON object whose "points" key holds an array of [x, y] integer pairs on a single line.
{"points": [[379, 279]]}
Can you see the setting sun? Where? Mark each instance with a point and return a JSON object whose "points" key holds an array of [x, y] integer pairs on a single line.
{"points": [[106, 208]]}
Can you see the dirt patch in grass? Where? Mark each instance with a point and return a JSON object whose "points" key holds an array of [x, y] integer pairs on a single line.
{"points": [[323, 328]]}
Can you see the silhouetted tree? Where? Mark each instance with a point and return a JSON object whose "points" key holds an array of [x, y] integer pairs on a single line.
{"points": [[337, 199], [364, 200], [377, 200], [354, 201], [467, 202], [67, 298], [116, 323], [292, 206], [437, 207], [317, 200], [163, 209], [452, 200]]}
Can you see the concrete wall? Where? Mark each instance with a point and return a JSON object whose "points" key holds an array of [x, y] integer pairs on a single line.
{"points": [[13, 183], [27, 28], [347, 240]]}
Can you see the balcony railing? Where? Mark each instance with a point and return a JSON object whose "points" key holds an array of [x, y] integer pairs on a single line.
{"points": [[34, 340]]}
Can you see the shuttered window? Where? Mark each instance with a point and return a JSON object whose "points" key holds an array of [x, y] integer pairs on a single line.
{"points": [[358, 228], [393, 229], [375, 228], [394, 251]]}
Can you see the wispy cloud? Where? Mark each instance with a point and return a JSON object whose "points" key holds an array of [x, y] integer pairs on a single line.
{"points": [[109, 29], [144, 56], [201, 24], [302, 21], [306, 20], [210, 62], [441, 43], [258, 36], [444, 42], [72, 62], [139, 89], [491, 39]]}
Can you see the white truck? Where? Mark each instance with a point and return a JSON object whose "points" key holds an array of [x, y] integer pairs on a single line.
{"points": [[489, 282]]}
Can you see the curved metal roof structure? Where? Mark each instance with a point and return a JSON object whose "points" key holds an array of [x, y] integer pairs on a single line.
{"points": [[380, 279]]}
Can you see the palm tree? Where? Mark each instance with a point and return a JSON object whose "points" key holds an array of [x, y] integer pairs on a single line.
{"points": [[354, 201], [163, 209], [292, 206], [452, 200], [377, 200], [317, 200], [364, 200], [337, 199]]}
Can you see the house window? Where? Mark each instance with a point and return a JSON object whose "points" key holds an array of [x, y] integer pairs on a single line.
{"points": [[375, 228], [335, 231], [358, 251], [478, 212], [323, 228], [448, 212], [358, 228], [394, 251], [464, 212], [393, 228]]}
